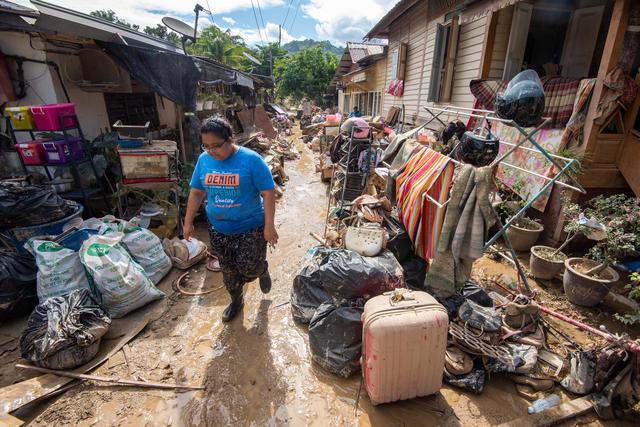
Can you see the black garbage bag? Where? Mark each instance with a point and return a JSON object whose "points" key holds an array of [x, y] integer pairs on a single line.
{"points": [[348, 275], [18, 291], [335, 337], [399, 241], [307, 292], [64, 332], [475, 293], [474, 381], [415, 271], [22, 206]]}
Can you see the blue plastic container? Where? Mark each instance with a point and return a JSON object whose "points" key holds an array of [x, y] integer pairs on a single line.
{"points": [[21, 235], [130, 143], [75, 240]]}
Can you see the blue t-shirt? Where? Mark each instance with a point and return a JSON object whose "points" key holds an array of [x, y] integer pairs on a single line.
{"points": [[233, 186]]}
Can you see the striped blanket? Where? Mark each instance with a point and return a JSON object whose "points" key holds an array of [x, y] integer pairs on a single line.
{"points": [[426, 172], [560, 95]]}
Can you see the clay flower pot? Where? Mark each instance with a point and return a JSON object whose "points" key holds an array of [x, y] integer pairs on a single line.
{"points": [[585, 290], [522, 238], [543, 268]]}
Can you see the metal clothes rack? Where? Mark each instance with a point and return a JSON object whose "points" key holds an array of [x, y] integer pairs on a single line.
{"points": [[354, 182], [526, 136]]}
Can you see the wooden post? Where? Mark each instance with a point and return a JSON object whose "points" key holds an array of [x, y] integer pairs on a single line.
{"points": [[487, 49], [182, 147], [609, 60]]}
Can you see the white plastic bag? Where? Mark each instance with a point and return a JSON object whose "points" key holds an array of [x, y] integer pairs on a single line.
{"points": [[122, 283], [59, 270], [146, 248]]}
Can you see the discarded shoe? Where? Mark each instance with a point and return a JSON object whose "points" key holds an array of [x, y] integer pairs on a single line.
{"points": [[521, 313], [214, 264], [232, 310], [537, 339], [583, 370], [265, 282], [457, 362], [534, 383]]}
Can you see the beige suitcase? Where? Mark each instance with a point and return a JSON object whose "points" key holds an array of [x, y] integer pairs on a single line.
{"points": [[404, 341]]}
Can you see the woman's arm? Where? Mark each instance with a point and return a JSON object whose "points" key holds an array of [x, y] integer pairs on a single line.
{"points": [[193, 204], [270, 233]]}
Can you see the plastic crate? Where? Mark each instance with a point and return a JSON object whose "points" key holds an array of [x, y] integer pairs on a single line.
{"points": [[20, 117], [47, 117], [32, 152], [60, 152]]}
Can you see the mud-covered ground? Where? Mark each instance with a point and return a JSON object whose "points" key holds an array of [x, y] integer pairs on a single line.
{"points": [[257, 369]]}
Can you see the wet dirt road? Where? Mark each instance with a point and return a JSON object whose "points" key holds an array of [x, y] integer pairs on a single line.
{"points": [[257, 370]]}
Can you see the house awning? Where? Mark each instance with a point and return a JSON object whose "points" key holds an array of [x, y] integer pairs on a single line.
{"points": [[480, 9]]}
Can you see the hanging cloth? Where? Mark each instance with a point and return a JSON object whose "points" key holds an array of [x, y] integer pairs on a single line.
{"points": [[426, 172]]}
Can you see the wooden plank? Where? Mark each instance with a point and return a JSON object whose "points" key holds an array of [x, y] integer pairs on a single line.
{"points": [[563, 412], [488, 44], [609, 60]]}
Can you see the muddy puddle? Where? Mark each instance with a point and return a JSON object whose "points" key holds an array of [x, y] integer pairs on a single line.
{"points": [[257, 370]]}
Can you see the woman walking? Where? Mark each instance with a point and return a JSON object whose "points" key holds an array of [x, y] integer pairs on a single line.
{"points": [[241, 208]]}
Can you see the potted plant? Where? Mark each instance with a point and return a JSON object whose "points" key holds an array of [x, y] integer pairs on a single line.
{"points": [[523, 233], [587, 280], [546, 262], [634, 294]]}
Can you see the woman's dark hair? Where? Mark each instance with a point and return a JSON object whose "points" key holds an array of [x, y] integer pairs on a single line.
{"points": [[217, 126]]}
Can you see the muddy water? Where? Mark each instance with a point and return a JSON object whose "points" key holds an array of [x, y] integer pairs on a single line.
{"points": [[257, 370]]}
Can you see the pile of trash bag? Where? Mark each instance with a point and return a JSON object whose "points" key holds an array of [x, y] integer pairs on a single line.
{"points": [[18, 293], [335, 337], [329, 294], [65, 332], [23, 206], [341, 274]]}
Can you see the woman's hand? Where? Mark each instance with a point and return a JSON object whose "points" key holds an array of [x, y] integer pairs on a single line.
{"points": [[187, 230], [271, 235]]}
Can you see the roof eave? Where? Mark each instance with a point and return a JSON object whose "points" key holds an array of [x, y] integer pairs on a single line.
{"points": [[91, 27]]}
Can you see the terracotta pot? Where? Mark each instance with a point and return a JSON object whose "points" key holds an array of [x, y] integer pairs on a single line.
{"points": [[584, 290], [521, 238], [542, 268]]}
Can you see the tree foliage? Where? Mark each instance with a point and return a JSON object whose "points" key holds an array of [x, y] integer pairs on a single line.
{"points": [[162, 32], [264, 54], [111, 16], [220, 45], [306, 73]]}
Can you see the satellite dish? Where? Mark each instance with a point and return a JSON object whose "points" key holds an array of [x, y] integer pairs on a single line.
{"points": [[180, 27], [252, 58]]}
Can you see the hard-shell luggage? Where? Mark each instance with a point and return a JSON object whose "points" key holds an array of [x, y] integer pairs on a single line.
{"points": [[404, 343]]}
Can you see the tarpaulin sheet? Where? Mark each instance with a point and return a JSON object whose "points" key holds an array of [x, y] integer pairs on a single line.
{"points": [[171, 75]]}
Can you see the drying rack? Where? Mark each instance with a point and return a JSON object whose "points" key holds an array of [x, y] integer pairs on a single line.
{"points": [[525, 136]]}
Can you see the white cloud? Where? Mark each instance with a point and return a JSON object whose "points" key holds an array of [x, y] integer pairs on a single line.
{"points": [[229, 20], [150, 12], [252, 37], [341, 21]]}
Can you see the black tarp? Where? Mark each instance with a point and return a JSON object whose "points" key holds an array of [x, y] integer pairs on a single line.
{"points": [[171, 75]]}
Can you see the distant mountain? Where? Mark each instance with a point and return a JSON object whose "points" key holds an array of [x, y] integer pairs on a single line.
{"points": [[297, 45]]}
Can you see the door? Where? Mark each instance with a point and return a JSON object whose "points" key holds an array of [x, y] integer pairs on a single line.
{"points": [[580, 41], [517, 40]]}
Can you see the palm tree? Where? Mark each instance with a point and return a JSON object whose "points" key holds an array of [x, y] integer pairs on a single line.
{"points": [[221, 46]]}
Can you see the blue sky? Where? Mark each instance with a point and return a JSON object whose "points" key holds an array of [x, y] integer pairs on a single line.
{"points": [[336, 20]]}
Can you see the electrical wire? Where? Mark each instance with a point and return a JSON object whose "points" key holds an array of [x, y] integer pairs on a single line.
{"points": [[210, 13], [266, 34], [295, 16], [255, 15], [287, 15]]}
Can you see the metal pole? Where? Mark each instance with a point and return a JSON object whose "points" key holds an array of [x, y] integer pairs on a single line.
{"points": [[527, 206]]}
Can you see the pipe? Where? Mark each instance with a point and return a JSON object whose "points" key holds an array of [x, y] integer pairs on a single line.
{"points": [[20, 59]]}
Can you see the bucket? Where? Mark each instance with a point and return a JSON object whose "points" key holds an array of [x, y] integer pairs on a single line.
{"points": [[21, 235]]}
